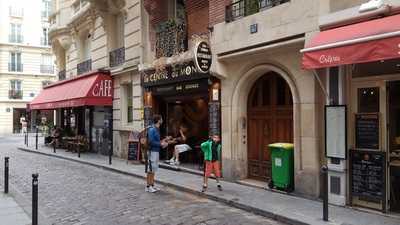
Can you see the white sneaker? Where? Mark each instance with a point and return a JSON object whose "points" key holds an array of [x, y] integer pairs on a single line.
{"points": [[156, 188], [172, 162], [146, 189], [152, 189]]}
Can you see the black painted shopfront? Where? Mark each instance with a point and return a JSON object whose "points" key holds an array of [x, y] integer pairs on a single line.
{"points": [[184, 94]]}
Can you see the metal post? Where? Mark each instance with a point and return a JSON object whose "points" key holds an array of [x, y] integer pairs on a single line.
{"points": [[37, 131], [54, 144], [110, 156], [35, 199], [27, 138], [6, 166], [324, 171], [79, 151]]}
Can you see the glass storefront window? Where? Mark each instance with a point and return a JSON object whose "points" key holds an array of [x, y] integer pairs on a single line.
{"points": [[368, 100]]}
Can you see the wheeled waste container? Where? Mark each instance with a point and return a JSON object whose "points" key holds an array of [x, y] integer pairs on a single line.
{"points": [[282, 166]]}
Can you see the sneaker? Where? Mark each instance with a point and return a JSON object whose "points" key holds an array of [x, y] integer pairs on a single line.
{"points": [[152, 189], [219, 187], [172, 163], [177, 163], [156, 188], [204, 188], [146, 189]]}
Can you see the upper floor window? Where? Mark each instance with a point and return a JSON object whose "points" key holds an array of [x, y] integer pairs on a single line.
{"points": [[46, 65], [16, 11], [15, 62], [46, 9], [79, 4], [117, 53], [45, 37], [241, 8], [15, 33], [15, 91]]}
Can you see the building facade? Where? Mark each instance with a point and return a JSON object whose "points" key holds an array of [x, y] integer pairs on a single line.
{"points": [[361, 80], [89, 36], [26, 59], [228, 68]]}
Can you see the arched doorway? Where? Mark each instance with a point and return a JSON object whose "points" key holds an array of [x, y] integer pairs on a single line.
{"points": [[270, 120]]}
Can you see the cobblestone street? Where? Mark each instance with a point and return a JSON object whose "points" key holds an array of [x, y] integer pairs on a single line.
{"points": [[72, 193]]}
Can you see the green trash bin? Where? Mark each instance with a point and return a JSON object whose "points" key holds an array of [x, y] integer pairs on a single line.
{"points": [[282, 166]]}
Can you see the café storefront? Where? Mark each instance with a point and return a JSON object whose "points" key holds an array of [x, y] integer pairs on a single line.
{"points": [[83, 108], [184, 94], [360, 64]]}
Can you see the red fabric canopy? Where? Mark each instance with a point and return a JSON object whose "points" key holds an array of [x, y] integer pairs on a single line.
{"points": [[368, 41], [87, 90]]}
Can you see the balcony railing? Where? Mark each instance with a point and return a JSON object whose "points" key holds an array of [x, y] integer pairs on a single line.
{"points": [[171, 39], [47, 69], [45, 41], [62, 75], [15, 94], [15, 67], [84, 66], [244, 8], [15, 38], [117, 57], [16, 12]]}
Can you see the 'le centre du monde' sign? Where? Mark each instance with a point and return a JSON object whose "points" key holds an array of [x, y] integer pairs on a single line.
{"points": [[197, 69]]}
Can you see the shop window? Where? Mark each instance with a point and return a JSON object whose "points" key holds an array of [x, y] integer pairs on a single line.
{"points": [[368, 100]]}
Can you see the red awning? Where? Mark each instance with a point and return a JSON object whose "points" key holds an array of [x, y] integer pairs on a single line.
{"points": [[87, 90], [368, 41]]}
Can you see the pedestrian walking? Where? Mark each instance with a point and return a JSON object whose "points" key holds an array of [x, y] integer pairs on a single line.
{"points": [[212, 155], [153, 153]]}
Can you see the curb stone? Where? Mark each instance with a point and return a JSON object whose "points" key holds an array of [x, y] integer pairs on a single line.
{"points": [[231, 202]]}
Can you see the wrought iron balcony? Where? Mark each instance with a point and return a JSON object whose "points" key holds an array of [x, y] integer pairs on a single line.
{"points": [[244, 8], [171, 39], [84, 66], [15, 94], [47, 69], [62, 75], [15, 38], [117, 57], [15, 67], [16, 11], [45, 41]]}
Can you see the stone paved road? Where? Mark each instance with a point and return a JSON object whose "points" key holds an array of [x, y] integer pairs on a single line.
{"points": [[76, 194]]}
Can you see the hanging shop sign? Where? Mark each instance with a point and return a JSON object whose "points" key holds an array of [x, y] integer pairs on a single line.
{"points": [[202, 57], [172, 74], [187, 87]]}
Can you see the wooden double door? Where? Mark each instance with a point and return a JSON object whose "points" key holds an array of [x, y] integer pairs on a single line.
{"points": [[270, 120]]}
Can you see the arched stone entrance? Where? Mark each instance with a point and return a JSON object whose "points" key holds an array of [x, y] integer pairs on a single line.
{"points": [[239, 117], [270, 120]]}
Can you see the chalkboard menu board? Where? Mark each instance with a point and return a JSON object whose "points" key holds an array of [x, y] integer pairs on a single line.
{"points": [[214, 115], [367, 131], [367, 171], [133, 150]]}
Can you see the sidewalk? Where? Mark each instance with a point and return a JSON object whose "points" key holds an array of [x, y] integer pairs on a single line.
{"points": [[11, 212], [285, 208]]}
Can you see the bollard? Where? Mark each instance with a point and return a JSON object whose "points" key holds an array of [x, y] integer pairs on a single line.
{"points": [[27, 138], [6, 166], [324, 171], [110, 156], [35, 199], [37, 131], [79, 151], [54, 145]]}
